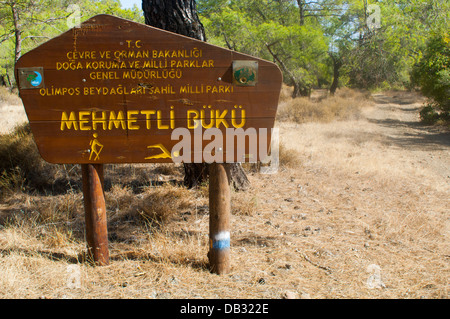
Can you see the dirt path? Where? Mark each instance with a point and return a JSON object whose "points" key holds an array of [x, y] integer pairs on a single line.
{"points": [[371, 193], [10, 116], [388, 141], [428, 147]]}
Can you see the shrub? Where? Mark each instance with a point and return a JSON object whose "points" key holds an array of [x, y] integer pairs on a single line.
{"points": [[429, 115], [160, 203], [22, 167], [432, 74]]}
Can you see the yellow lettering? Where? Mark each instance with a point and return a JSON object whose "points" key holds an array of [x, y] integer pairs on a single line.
{"points": [[117, 121], [96, 121], [194, 114], [160, 125], [172, 118], [131, 120], [211, 118], [69, 121], [234, 117], [220, 119], [111, 75], [147, 114], [84, 120]]}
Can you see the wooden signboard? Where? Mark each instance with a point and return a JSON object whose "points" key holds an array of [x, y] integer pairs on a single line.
{"points": [[114, 91]]}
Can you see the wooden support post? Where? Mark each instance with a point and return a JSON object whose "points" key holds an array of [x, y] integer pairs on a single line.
{"points": [[219, 218], [95, 214]]}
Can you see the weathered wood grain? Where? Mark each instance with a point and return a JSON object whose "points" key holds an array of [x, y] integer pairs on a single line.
{"points": [[112, 87]]}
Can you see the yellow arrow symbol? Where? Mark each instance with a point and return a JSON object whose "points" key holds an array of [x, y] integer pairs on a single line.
{"points": [[165, 153]]}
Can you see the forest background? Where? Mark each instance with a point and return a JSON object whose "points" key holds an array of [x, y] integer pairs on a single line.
{"points": [[323, 44]]}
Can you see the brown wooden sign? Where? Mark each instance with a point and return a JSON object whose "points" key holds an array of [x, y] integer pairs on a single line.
{"points": [[116, 91]]}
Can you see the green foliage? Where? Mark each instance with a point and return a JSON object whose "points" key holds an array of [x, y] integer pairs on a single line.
{"points": [[40, 20], [428, 114], [383, 57], [271, 30], [311, 40], [432, 74]]}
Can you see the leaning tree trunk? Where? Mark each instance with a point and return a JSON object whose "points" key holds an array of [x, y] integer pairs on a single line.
{"points": [[180, 16], [337, 63], [299, 88], [17, 32]]}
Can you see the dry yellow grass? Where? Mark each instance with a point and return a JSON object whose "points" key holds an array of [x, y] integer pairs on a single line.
{"points": [[12, 111], [345, 105], [9, 98], [360, 210]]}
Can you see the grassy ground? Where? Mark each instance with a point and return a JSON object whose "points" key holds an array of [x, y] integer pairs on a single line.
{"points": [[358, 209]]}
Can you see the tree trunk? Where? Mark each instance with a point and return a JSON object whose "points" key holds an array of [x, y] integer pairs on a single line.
{"points": [[5, 81], [299, 88], [2, 81], [180, 16], [17, 33], [195, 174], [337, 63], [301, 11]]}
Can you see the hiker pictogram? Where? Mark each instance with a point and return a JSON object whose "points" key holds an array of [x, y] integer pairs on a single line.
{"points": [[96, 148]]}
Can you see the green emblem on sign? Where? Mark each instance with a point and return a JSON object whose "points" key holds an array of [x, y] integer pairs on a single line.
{"points": [[31, 78], [245, 73]]}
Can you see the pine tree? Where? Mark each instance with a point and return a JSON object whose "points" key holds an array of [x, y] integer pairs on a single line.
{"points": [[180, 16]]}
